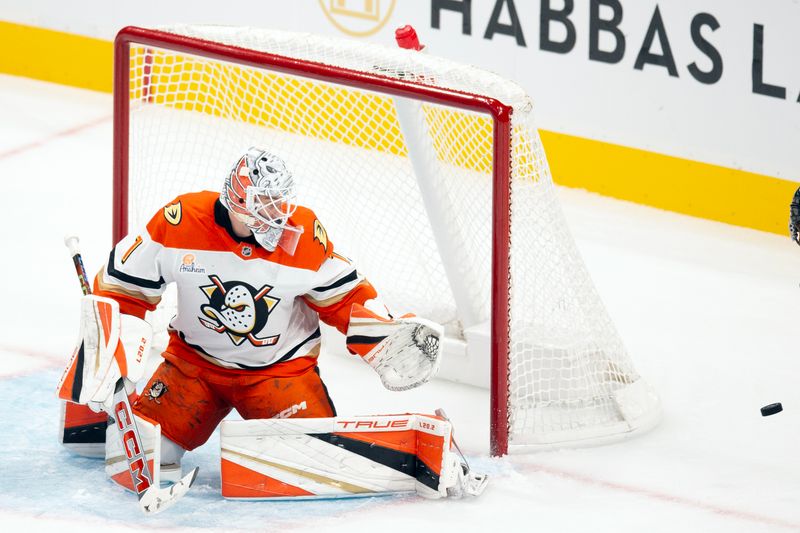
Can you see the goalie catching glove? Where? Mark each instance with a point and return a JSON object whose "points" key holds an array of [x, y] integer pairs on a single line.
{"points": [[110, 345], [405, 352]]}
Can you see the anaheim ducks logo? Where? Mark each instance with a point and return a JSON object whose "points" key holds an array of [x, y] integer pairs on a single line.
{"points": [[320, 235], [239, 310], [156, 391], [173, 213]]}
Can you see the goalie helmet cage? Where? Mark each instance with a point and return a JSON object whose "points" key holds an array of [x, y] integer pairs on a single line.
{"points": [[428, 173]]}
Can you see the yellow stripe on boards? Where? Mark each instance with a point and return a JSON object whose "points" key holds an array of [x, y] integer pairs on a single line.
{"points": [[698, 189], [56, 56]]}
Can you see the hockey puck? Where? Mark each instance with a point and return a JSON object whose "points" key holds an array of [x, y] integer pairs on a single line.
{"points": [[771, 409]]}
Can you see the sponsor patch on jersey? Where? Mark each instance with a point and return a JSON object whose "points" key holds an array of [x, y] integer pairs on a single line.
{"points": [[156, 391], [320, 235], [189, 265], [247, 251], [173, 213], [238, 310]]}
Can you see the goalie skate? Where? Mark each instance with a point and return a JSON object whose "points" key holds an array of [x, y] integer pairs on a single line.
{"points": [[157, 499]]}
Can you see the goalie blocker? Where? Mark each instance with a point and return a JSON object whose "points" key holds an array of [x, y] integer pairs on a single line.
{"points": [[343, 457], [110, 345]]}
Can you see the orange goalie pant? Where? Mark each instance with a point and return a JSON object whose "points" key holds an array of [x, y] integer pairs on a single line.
{"points": [[190, 400]]}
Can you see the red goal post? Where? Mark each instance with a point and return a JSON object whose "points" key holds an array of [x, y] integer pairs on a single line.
{"points": [[169, 69]]}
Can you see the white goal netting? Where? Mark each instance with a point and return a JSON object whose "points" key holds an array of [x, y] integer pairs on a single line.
{"points": [[404, 188]]}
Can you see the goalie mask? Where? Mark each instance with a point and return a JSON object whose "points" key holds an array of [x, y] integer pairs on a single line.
{"points": [[260, 193]]}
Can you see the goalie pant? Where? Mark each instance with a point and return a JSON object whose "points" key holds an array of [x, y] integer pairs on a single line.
{"points": [[278, 459]]}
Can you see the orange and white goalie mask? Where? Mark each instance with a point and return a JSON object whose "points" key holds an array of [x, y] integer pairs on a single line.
{"points": [[260, 193]]}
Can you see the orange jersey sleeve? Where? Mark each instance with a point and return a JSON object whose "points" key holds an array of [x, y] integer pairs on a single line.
{"points": [[337, 314], [129, 304]]}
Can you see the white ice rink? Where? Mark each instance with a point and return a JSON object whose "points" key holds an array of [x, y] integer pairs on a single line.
{"points": [[708, 313]]}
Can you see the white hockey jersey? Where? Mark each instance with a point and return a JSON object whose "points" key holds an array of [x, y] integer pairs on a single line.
{"points": [[239, 306]]}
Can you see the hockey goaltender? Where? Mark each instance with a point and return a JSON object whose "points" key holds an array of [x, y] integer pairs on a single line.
{"points": [[255, 275]]}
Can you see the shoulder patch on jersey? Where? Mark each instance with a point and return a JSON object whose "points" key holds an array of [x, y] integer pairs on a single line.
{"points": [[136, 244], [173, 213], [321, 235]]}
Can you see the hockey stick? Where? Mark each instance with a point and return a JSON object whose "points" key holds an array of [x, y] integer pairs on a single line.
{"points": [[152, 498]]}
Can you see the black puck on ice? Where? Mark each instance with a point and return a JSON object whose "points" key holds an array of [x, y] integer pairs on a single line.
{"points": [[771, 409]]}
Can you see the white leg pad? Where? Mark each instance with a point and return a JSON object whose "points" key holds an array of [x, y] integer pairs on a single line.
{"points": [[116, 462], [336, 457]]}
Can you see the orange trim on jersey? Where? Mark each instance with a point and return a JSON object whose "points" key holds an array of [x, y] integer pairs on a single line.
{"points": [[138, 242], [241, 482], [338, 314], [359, 311], [200, 230], [129, 304], [181, 354], [131, 293]]}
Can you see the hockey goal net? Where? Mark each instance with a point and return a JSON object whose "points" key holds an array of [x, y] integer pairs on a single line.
{"points": [[429, 174]]}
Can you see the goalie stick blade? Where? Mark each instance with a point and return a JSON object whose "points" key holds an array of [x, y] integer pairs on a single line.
{"points": [[157, 499]]}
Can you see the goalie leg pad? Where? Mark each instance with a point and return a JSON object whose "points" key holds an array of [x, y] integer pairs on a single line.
{"points": [[83, 431], [336, 457]]}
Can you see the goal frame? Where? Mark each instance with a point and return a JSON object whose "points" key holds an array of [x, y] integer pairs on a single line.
{"points": [[499, 113]]}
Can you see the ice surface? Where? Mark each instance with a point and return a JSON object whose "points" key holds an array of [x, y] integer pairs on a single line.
{"points": [[708, 313]]}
